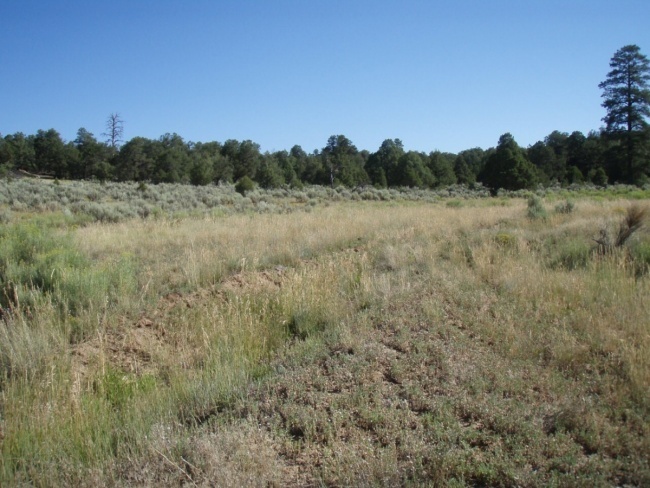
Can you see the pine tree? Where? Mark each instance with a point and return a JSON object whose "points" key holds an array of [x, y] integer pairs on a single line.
{"points": [[627, 101], [508, 167]]}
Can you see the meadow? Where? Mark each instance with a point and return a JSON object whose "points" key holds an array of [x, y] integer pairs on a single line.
{"points": [[168, 334]]}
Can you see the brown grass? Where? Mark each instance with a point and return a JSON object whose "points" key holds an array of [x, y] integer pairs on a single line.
{"points": [[358, 345]]}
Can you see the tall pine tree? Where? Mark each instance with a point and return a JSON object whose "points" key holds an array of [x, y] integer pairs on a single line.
{"points": [[627, 101]]}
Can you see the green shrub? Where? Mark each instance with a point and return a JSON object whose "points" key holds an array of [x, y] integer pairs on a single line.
{"points": [[536, 208], [505, 241], [244, 185], [5, 216], [565, 207]]}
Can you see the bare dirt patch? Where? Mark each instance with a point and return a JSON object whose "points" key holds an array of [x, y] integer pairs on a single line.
{"points": [[130, 349], [134, 346], [255, 282]]}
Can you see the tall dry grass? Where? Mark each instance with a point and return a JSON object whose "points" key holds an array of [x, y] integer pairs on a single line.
{"points": [[599, 305], [213, 299], [156, 357]]}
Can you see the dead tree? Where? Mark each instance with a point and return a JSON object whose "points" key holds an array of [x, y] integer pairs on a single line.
{"points": [[114, 130]]}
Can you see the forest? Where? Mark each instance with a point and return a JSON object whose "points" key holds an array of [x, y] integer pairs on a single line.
{"points": [[619, 152]]}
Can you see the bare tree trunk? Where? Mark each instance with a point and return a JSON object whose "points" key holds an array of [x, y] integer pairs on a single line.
{"points": [[114, 129]]}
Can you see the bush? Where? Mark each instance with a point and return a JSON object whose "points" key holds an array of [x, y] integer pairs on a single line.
{"points": [[505, 241], [536, 208], [244, 185], [5, 216], [565, 207]]}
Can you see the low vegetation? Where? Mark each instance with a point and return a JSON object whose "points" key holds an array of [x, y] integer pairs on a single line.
{"points": [[323, 336]]}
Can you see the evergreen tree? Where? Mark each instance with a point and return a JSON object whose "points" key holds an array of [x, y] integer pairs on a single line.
{"points": [[464, 174], [269, 174], [343, 163], [298, 159], [508, 167], [248, 159], [442, 168], [627, 101], [475, 159], [50, 153], [92, 159], [557, 167], [135, 160], [598, 177], [201, 169], [382, 165], [208, 161], [18, 152], [544, 159], [413, 172], [172, 162], [574, 175]]}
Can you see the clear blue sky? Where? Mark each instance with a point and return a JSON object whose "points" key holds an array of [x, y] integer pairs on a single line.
{"points": [[446, 75]]}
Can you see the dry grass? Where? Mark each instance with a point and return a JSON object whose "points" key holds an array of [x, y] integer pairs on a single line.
{"points": [[359, 344]]}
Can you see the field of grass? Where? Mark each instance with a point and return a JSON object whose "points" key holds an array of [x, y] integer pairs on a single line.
{"points": [[325, 339]]}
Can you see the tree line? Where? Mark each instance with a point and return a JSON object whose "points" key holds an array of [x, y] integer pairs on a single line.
{"points": [[618, 152]]}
